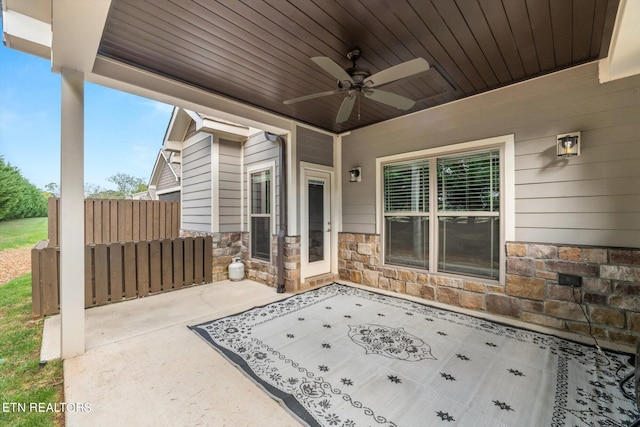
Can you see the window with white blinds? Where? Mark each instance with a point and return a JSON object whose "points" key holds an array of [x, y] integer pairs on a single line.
{"points": [[406, 213], [469, 214], [445, 210], [469, 183], [407, 187], [260, 214]]}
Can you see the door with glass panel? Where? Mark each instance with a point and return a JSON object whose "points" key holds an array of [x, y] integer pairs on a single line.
{"points": [[317, 223]]}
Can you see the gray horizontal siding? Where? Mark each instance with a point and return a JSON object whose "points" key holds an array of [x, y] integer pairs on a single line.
{"points": [[196, 186], [230, 194], [229, 185], [198, 171], [204, 211], [196, 226], [196, 202], [593, 199], [314, 147], [201, 158], [589, 204], [167, 179]]}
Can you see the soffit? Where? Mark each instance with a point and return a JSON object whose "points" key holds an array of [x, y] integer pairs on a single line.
{"points": [[257, 51]]}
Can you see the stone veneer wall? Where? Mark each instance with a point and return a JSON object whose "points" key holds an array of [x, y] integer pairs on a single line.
{"points": [[226, 246], [292, 263], [267, 272], [610, 291], [261, 271]]}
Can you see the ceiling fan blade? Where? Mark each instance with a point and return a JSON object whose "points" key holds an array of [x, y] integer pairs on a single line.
{"points": [[345, 108], [312, 96], [397, 101], [332, 68], [397, 72]]}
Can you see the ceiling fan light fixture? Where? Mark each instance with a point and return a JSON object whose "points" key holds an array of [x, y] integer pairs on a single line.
{"points": [[357, 80]]}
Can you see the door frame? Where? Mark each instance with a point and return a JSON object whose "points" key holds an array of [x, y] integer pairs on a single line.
{"points": [[305, 170]]}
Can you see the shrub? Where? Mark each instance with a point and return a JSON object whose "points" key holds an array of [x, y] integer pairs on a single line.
{"points": [[18, 197]]}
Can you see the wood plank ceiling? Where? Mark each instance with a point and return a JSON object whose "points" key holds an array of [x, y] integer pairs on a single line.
{"points": [[257, 51]]}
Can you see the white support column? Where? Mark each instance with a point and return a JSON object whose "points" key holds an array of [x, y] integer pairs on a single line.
{"points": [[292, 183], [72, 215], [214, 158]]}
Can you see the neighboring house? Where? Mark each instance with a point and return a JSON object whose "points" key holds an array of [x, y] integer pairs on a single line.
{"points": [[164, 183], [462, 201], [165, 178]]}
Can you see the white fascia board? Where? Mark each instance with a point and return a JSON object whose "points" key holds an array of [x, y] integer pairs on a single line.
{"points": [[220, 129], [624, 51], [26, 34], [174, 114], [155, 172], [195, 117], [173, 172], [226, 130], [178, 126], [77, 31], [169, 190], [172, 145], [161, 161], [119, 76]]}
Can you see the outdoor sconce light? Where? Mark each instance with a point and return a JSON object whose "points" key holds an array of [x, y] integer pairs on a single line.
{"points": [[355, 174], [569, 144]]}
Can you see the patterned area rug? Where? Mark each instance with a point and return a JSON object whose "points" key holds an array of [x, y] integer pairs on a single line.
{"points": [[344, 356]]}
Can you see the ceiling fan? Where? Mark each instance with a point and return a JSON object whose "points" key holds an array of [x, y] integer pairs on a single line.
{"points": [[356, 81]]}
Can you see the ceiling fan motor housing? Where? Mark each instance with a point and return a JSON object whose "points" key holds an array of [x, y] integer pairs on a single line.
{"points": [[358, 74]]}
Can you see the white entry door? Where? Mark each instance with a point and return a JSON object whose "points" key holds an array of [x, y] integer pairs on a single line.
{"points": [[317, 223]]}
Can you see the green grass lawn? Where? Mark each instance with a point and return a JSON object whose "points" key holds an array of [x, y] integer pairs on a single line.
{"points": [[18, 233], [22, 379]]}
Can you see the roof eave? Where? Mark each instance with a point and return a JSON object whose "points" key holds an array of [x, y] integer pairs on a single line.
{"points": [[26, 34]]}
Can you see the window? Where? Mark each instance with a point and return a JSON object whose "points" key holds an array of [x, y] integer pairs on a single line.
{"points": [[406, 213], [442, 213], [260, 214], [469, 214]]}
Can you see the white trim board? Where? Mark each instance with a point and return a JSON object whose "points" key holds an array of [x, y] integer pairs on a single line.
{"points": [[267, 165], [304, 238]]}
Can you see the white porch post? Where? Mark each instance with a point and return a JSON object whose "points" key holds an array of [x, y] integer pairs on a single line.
{"points": [[72, 215]]}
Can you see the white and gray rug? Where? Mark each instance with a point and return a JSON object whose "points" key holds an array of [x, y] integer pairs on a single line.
{"points": [[344, 356]]}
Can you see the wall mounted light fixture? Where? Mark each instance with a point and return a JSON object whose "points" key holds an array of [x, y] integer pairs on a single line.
{"points": [[355, 174], [568, 144]]}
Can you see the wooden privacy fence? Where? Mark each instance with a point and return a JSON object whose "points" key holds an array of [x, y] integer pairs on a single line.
{"points": [[118, 271], [114, 220]]}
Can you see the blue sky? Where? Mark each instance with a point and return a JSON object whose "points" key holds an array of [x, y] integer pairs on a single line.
{"points": [[123, 132]]}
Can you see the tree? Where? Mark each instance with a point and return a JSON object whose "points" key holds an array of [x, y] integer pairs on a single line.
{"points": [[53, 189], [127, 184], [92, 191], [18, 197]]}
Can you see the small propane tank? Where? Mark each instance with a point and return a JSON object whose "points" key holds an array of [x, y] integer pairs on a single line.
{"points": [[236, 270]]}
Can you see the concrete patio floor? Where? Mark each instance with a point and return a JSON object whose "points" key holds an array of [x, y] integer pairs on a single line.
{"points": [[144, 367]]}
